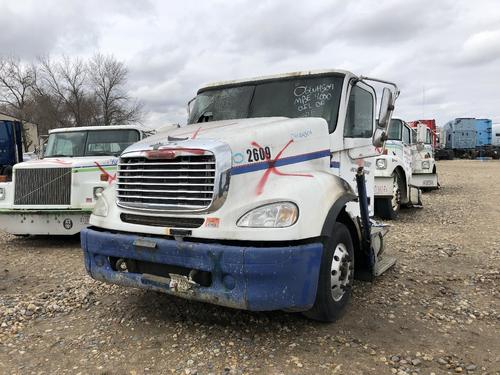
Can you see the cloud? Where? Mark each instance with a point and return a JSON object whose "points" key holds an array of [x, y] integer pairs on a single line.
{"points": [[481, 48], [32, 28]]}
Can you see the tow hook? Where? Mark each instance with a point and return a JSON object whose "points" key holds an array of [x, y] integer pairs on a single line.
{"points": [[121, 265]]}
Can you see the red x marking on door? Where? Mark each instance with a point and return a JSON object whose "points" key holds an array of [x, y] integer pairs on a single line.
{"points": [[272, 168]]}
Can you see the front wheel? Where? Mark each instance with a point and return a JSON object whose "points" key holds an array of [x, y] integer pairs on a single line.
{"points": [[335, 278], [388, 208]]}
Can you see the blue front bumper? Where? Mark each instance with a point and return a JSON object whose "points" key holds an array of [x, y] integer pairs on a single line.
{"points": [[250, 278]]}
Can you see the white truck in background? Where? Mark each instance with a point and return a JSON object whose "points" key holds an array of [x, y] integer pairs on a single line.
{"points": [[393, 173], [260, 203], [55, 195], [424, 171]]}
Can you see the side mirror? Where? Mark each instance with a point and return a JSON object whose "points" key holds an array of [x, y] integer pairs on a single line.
{"points": [[421, 133], [190, 106], [379, 137], [386, 108], [384, 118]]}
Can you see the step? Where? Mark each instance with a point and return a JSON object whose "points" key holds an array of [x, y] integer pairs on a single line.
{"points": [[379, 229], [383, 264]]}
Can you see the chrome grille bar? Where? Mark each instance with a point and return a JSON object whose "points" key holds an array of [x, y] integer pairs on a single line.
{"points": [[184, 182], [42, 186]]}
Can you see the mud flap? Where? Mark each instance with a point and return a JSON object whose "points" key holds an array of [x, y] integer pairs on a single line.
{"points": [[382, 261], [415, 197]]}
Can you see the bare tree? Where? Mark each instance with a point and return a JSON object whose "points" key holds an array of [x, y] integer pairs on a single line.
{"points": [[17, 82], [108, 78], [67, 92], [66, 80]]}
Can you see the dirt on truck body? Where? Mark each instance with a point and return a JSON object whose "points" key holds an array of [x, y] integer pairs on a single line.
{"points": [[436, 312]]}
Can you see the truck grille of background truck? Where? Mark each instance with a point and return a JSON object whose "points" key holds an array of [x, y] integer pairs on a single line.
{"points": [[183, 183], [44, 186]]}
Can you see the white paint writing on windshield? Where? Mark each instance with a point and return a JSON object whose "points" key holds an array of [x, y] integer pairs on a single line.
{"points": [[309, 98]]}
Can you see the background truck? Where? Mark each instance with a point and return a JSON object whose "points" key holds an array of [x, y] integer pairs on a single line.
{"points": [[470, 138], [18, 142], [260, 203], [424, 169], [434, 130], [11, 147], [55, 194], [495, 135], [393, 172]]}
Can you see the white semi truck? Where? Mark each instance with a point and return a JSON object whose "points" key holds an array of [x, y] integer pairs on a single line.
{"points": [[260, 203], [424, 169], [393, 172], [55, 194]]}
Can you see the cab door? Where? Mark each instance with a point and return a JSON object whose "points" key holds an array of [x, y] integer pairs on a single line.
{"points": [[359, 126], [407, 152]]}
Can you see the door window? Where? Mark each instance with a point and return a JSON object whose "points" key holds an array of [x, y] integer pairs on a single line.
{"points": [[406, 135], [359, 117]]}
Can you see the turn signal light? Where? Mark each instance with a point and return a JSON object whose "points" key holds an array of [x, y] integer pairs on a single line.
{"points": [[104, 177], [3, 178]]}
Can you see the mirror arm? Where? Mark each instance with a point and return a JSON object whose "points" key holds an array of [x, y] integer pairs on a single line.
{"points": [[396, 89]]}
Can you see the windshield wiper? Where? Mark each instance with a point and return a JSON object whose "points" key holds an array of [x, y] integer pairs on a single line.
{"points": [[58, 156], [101, 154]]}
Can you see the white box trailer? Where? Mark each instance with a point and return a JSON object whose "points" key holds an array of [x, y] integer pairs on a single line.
{"points": [[56, 194], [260, 203]]}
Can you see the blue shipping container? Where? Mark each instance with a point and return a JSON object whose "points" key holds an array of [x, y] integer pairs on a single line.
{"points": [[483, 132], [460, 134]]}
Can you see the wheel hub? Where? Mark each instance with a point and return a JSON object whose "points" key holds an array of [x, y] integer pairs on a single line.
{"points": [[341, 271], [396, 194]]}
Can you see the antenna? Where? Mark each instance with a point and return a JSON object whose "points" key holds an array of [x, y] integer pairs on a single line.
{"points": [[423, 101]]}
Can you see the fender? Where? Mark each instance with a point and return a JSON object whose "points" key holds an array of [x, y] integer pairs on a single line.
{"points": [[334, 212], [364, 271]]}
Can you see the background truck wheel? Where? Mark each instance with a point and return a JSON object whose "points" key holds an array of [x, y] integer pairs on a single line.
{"points": [[388, 208], [335, 277]]}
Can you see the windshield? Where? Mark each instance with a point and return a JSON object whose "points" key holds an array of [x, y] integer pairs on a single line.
{"points": [[90, 143], [394, 132], [296, 97]]}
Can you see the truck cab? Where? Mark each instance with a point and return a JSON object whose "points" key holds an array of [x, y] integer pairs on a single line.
{"points": [[424, 171], [261, 202], [393, 172], [55, 194], [11, 147]]}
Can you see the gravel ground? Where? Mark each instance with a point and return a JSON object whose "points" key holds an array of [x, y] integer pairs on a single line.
{"points": [[436, 312]]}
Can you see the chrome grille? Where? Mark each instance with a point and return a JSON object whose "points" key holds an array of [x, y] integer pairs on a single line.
{"points": [[44, 186], [185, 182]]}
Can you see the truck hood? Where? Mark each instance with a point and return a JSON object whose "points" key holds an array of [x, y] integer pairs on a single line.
{"points": [[64, 162], [306, 134]]}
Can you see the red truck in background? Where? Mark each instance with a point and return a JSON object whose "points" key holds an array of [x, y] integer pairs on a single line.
{"points": [[431, 124]]}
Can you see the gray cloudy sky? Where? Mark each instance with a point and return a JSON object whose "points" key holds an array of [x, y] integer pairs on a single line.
{"points": [[444, 55]]}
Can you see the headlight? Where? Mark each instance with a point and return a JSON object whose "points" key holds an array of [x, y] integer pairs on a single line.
{"points": [[2, 194], [98, 191], [101, 207], [274, 215], [426, 165], [381, 164]]}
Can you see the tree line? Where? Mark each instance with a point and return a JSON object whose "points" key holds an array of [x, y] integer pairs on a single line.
{"points": [[67, 92]]}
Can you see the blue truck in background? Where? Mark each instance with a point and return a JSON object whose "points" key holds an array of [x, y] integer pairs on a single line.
{"points": [[11, 146], [469, 138]]}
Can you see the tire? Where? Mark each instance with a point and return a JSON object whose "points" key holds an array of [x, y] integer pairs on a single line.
{"points": [[388, 208], [335, 277]]}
